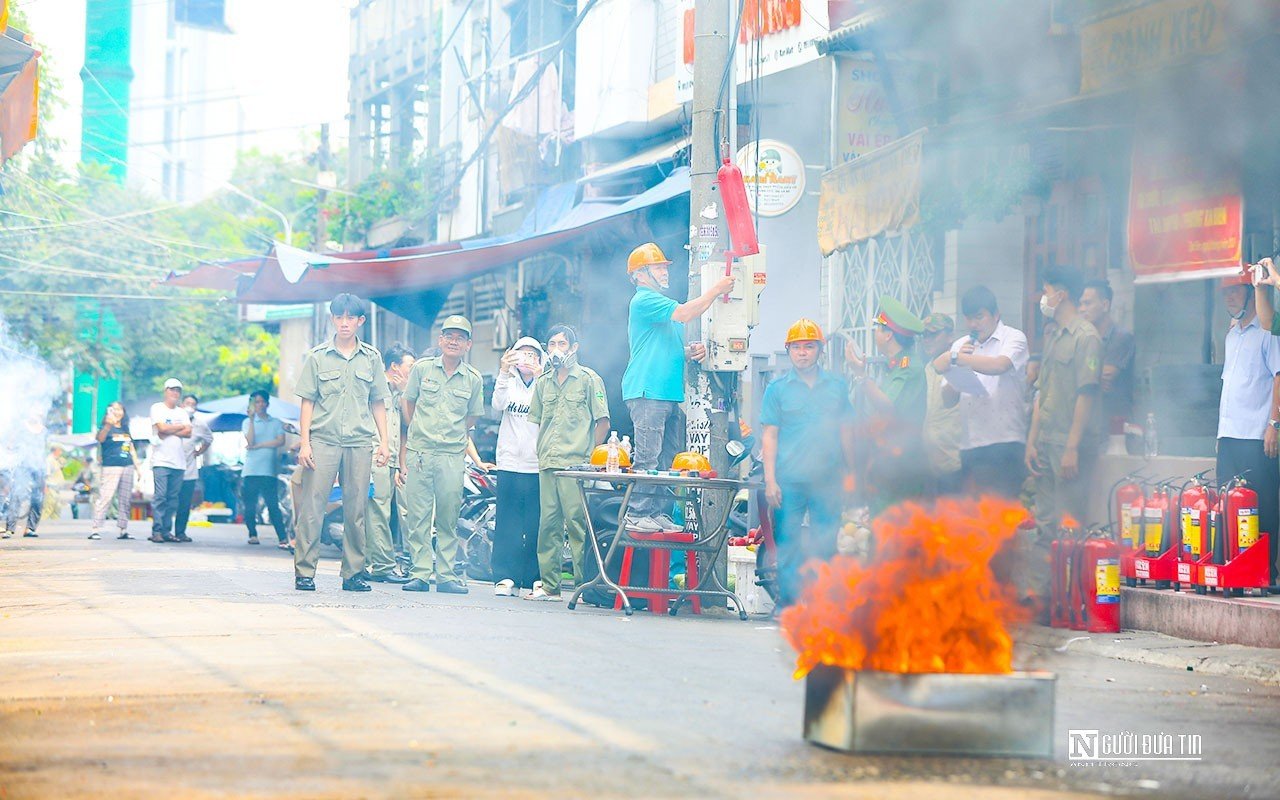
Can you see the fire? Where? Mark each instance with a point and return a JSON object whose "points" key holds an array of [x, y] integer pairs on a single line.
{"points": [[928, 600]]}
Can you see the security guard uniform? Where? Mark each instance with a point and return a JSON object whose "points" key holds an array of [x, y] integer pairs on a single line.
{"points": [[343, 390], [386, 496], [436, 447], [566, 415]]}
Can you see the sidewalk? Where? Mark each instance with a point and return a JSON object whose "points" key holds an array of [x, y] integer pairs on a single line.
{"points": [[1144, 647]]}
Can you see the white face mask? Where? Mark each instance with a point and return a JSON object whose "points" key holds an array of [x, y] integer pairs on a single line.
{"points": [[1047, 309]]}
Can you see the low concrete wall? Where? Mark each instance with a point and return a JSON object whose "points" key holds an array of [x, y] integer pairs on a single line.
{"points": [[1206, 618]]}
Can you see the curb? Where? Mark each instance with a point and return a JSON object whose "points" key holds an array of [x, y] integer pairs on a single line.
{"points": [[1145, 647]]}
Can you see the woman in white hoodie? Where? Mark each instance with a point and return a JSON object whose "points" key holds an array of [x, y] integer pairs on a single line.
{"points": [[515, 535]]}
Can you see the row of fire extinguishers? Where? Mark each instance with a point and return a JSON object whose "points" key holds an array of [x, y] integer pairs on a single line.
{"points": [[1164, 534], [1176, 533]]}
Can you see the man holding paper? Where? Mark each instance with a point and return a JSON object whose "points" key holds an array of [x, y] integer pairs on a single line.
{"points": [[985, 373]]}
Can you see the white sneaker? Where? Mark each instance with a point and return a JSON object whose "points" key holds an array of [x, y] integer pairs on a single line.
{"points": [[643, 524], [538, 594], [504, 588], [667, 523]]}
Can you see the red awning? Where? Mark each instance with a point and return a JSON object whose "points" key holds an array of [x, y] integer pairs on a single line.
{"points": [[19, 92]]}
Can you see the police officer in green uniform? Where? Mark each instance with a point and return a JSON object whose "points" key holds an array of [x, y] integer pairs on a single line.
{"points": [[572, 416], [344, 396], [1066, 420], [895, 406], [442, 400], [388, 493]]}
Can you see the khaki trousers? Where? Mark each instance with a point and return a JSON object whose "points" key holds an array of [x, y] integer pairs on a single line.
{"points": [[433, 494], [560, 502], [379, 547], [351, 466]]}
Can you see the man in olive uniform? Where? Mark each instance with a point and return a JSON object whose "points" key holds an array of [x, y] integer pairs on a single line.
{"points": [[442, 400], [344, 412], [895, 407], [1066, 429], [572, 416], [388, 496]]}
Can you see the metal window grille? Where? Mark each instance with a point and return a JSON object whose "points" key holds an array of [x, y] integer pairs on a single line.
{"points": [[897, 264]]}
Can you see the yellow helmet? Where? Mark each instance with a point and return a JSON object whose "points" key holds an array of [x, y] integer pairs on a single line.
{"points": [[646, 255], [804, 330], [690, 460], [600, 456]]}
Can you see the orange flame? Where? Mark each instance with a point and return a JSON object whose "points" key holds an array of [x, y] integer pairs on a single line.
{"points": [[929, 601]]}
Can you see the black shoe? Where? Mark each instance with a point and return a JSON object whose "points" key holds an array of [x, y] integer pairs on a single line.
{"points": [[182, 538], [388, 577], [417, 585], [356, 584], [304, 584], [452, 587]]}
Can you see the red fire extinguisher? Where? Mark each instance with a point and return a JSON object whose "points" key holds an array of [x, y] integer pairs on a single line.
{"points": [[1193, 535], [737, 212], [1241, 509], [1127, 494], [1155, 513], [1099, 584]]}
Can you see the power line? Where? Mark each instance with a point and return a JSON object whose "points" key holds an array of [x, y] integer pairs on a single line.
{"points": [[79, 222], [114, 296]]}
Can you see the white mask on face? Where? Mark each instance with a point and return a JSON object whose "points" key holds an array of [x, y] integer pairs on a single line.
{"points": [[1045, 307]]}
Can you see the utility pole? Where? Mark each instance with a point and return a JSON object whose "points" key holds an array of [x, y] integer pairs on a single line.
{"points": [[707, 405], [322, 179]]}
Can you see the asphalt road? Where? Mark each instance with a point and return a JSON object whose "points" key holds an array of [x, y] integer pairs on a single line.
{"points": [[131, 669]]}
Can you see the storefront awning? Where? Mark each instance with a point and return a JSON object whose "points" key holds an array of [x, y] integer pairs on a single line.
{"points": [[410, 281], [19, 91]]}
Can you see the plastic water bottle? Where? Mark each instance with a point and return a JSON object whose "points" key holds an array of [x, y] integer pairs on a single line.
{"points": [[1151, 443], [626, 445], [611, 461]]}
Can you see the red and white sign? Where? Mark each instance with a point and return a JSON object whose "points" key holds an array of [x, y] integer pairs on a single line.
{"points": [[1185, 212]]}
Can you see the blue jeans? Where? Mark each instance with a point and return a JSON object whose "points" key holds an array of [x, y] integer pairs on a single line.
{"points": [[795, 548], [164, 501], [660, 435]]}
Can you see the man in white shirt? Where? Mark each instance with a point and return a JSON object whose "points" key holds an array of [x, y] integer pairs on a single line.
{"points": [[170, 424], [995, 417], [193, 449]]}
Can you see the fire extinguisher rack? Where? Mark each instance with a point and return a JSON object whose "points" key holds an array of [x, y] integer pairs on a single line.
{"points": [[1229, 566]]}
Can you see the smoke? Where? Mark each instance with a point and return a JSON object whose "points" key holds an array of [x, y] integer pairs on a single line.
{"points": [[30, 388]]}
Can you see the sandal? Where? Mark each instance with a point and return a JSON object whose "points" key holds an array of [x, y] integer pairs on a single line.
{"points": [[254, 540], [95, 535], [155, 537], [124, 535], [285, 546]]}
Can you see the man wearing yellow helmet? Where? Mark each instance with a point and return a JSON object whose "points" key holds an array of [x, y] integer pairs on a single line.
{"points": [[807, 439], [653, 384]]}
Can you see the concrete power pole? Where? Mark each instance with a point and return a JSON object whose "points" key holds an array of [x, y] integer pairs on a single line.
{"points": [[707, 406]]}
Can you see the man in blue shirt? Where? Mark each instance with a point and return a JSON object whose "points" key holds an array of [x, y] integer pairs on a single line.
{"points": [[263, 436], [1248, 418], [807, 446], [653, 384]]}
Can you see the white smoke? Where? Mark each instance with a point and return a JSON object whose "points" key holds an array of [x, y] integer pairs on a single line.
{"points": [[28, 388]]}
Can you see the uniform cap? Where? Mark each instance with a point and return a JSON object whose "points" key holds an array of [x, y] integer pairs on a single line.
{"points": [[938, 323], [895, 316], [456, 322]]}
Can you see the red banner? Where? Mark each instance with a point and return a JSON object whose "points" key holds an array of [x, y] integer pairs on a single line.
{"points": [[1185, 213]]}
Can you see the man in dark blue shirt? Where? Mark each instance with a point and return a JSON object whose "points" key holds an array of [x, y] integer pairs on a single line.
{"points": [[808, 455]]}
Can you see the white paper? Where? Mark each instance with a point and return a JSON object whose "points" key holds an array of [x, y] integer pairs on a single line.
{"points": [[965, 381]]}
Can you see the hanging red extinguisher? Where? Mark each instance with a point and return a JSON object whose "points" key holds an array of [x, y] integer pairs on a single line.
{"points": [[1099, 584], [1127, 495], [1241, 508]]}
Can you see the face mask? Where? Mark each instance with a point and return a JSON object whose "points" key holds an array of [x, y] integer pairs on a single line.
{"points": [[1047, 309]]}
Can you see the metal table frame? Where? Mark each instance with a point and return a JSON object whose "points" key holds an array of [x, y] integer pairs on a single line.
{"points": [[710, 539]]}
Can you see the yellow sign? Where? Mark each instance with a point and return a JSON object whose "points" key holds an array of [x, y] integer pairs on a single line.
{"points": [[1150, 37], [874, 193]]}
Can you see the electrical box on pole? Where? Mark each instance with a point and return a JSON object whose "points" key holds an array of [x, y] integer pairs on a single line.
{"points": [[731, 318]]}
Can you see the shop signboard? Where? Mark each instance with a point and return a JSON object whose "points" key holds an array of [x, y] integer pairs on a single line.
{"points": [[774, 35], [864, 119], [872, 194], [1185, 212], [774, 176], [1156, 35]]}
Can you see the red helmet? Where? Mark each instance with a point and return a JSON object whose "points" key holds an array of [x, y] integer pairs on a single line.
{"points": [[1240, 278]]}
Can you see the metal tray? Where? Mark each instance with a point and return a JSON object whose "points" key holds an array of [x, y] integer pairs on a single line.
{"points": [[928, 713]]}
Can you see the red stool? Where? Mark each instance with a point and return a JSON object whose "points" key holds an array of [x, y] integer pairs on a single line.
{"points": [[660, 570]]}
